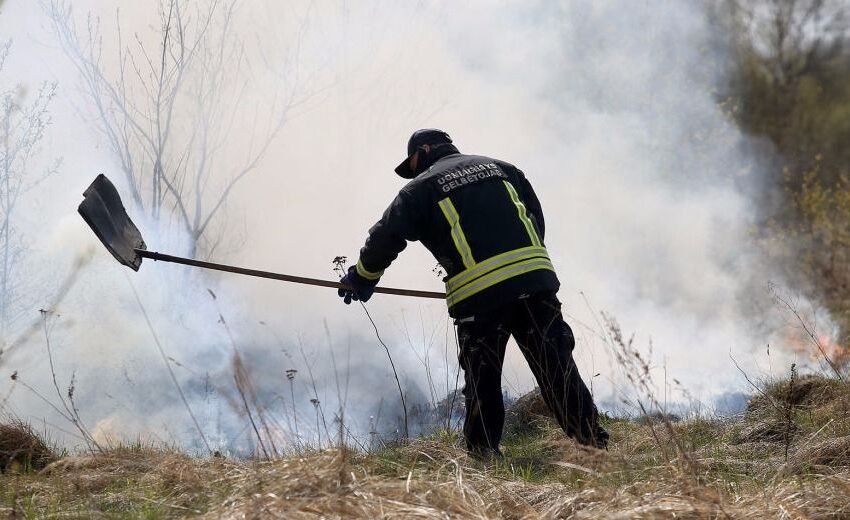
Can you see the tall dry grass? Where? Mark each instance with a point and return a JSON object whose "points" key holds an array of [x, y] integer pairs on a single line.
{"points": [[736, 468], [787, 456]]}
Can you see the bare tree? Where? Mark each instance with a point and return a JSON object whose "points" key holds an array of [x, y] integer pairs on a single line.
{"points": [[22, 126], [787, 77], [176, 115], [790, 36]]}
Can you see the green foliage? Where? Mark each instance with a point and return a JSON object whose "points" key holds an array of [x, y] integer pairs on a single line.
{"points": [[821, 233]]}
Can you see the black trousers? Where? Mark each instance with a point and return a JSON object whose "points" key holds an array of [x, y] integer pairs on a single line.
{"points": [[547, 342]]}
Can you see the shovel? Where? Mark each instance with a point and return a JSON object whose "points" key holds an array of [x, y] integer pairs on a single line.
{"points": [[105, 214]]}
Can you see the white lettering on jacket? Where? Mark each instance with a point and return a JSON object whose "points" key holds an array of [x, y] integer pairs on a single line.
{"points": [[453, 179]]}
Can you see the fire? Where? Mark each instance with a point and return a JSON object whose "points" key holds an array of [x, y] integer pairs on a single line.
{"points": [[840, 355], [816, 349]]}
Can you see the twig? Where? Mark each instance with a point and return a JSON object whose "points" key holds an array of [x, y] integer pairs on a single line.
{"points": [[764, 394], [392, 364], [339, 267], [812, 336], [71, 410], [318, 403], [239, 379], [243, 382]]}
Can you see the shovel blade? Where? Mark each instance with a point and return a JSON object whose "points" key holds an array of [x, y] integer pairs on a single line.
{"points": [[105, 214]]}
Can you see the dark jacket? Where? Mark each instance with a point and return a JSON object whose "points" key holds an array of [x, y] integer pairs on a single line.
{"points": [[480, 219]]}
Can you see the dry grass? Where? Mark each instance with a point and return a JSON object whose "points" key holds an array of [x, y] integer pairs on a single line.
{"points": [[22, 447], [730, 474]]}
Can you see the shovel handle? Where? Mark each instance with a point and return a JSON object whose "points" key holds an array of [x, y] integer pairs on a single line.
{"points": [[153, 255]]}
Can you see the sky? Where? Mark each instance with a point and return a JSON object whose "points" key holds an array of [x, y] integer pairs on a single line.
{"points": [[610, 112]]}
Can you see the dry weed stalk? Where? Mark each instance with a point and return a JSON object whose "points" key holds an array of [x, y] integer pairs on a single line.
{"points": [[789, 410], [290, 376], [315, 401], [73, 414], [339, 268], [809, 330], [758, 388], [638, 373], [87, 438], [243, 385], [247, 392]]}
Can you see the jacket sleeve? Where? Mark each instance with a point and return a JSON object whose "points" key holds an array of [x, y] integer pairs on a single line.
{"points": [[389, 236], [531, 202]]}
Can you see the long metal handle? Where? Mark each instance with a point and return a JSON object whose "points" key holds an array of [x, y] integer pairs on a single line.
{"points": [[277, 276]]}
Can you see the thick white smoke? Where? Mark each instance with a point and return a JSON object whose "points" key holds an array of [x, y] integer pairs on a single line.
{"points": [[609, 109]]}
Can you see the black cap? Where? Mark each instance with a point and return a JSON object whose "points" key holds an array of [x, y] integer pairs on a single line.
{"points": [[419, 138]]}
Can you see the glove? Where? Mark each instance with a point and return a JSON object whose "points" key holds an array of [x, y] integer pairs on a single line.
{"points": [[360, 288]]}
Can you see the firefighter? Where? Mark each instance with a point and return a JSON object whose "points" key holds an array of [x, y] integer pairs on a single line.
{"points": [[482, 221]]}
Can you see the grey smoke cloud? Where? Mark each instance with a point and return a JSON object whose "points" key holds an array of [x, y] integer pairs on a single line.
{"points": [[609, 110]]}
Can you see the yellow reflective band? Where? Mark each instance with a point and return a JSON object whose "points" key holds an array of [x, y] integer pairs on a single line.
{"points": [[523, 214], [498, 276], [494, 262], [457, 232], [363, 272]]}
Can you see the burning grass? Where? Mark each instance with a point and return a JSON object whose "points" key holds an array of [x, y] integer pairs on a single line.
{"points": [[722, 472]]}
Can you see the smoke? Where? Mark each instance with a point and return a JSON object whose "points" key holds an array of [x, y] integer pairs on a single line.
{"points": [[611, 113]]}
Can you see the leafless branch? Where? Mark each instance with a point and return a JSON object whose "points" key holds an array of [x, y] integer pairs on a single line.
{"points": [[808, 329], [169, 115]]}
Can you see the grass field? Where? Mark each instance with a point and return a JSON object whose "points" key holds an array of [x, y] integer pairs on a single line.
{"points": [[788, 456]]}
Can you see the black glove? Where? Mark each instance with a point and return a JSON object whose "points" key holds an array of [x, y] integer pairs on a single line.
{"points": [[360, 288]]}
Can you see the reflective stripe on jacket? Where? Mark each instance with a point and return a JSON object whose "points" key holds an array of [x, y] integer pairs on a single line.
{"points": [[481, 220]]}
